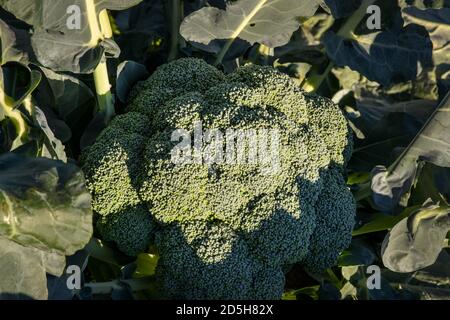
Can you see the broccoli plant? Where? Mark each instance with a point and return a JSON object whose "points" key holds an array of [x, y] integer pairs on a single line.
{"points": [[223, 229]]}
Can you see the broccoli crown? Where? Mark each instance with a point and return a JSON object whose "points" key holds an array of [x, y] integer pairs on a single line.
{"points": [[234, 177]]}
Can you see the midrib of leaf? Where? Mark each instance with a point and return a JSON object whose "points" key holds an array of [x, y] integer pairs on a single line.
{"points": [[93, 23], [247, 19], [411, 152], [10, 218], [425, 22], [427, 214], [366, 42], [371, 145], [238, 31], [14, 115]]}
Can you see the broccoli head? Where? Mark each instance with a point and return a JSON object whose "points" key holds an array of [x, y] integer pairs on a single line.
{"points": [[233, 177]]}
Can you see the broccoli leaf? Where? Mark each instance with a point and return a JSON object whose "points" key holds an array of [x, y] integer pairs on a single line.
{"points": [[128, 74], [437, 23], [13, 44], [44, 204], [66, 94], [416, 241], [45, 214], [270, 22], [391, 186], [342, 9], [67, 35], [367, 54], [23, 272]]}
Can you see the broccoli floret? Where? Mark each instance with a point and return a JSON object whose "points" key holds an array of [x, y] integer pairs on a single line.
{"points": [[113, 167], [333, 232], [225, 228], [203, 260]]}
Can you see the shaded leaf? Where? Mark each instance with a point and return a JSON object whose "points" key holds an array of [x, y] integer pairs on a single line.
{"points": [[68, 96], [14, 44], [53, 147], [380, 222], [128, 74], [58, 45], [391, 186], [386, 57], [17, 81], [358, 254], [44, 204], [416, 241], [93, 129], [437, 23], [342, 9], [57, 286], [141, 27]]}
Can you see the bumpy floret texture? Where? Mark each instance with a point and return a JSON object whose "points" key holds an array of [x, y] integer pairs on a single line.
{"points": [[225, 228]]}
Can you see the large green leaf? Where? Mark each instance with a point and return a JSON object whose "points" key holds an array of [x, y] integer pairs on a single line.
{"points": [[430, 283], [385, 126], [270, 22], [367, 54], [44, 204], [380, 222], [416, 241], [45, 214], [391, 186], [23, 272], [56, 43], [437, 23], [69, 97], [13, 44]]}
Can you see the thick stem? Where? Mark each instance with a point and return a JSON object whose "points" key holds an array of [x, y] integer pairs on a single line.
{"points": [[176, 11], [105, 26], [103, 89], [223, 51], [313, 82], [265, 52], [105, 99]]}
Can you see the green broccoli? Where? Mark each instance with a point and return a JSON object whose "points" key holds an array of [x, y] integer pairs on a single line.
{"points": [[233, 178]]}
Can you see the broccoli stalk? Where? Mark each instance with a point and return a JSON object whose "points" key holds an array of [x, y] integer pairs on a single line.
{"points": [[174, 9], [105, 99]]}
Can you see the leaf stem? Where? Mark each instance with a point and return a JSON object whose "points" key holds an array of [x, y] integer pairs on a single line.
{"points": [[176, 11], [265, 52], [105, 99]]}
